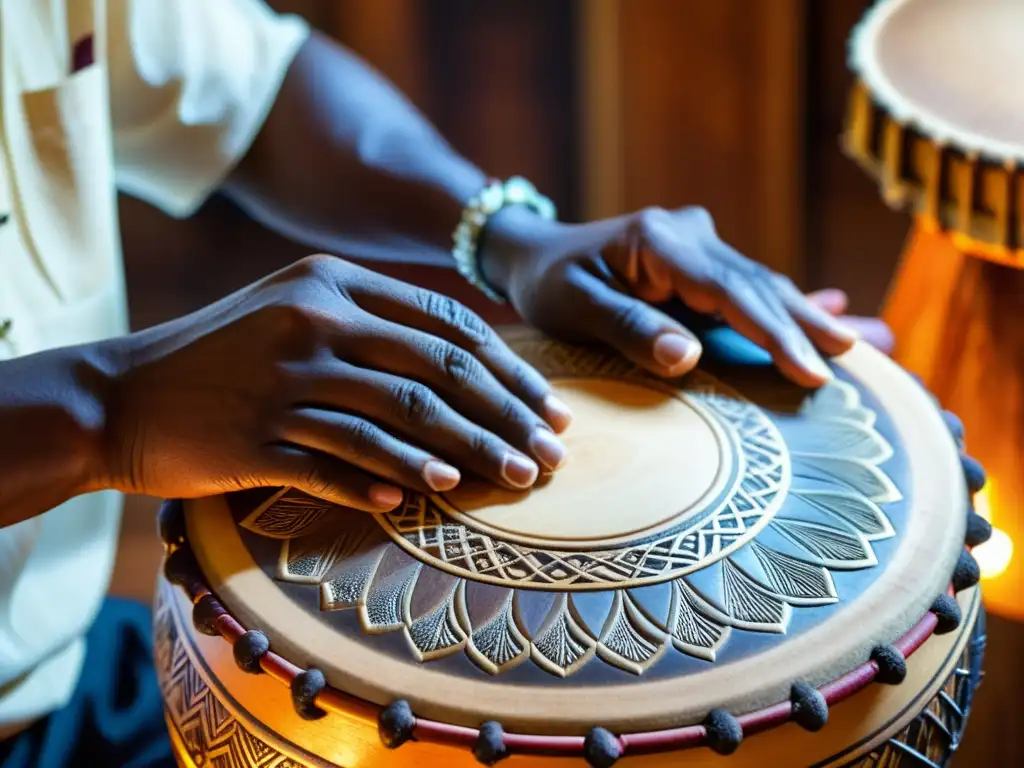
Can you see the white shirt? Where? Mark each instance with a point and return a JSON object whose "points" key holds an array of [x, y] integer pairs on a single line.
{"points": [[177, 91]]}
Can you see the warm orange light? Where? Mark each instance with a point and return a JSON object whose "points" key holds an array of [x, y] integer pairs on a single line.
{"points": [[994, 555], [983, 503], [939, 286], [1000, 571]]}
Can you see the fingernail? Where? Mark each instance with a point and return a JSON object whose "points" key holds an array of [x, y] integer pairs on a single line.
{"points": [[519, 470], [673, 349], [557, 413], [818, 367], [385, 496], [440, 476], [844, 331], [548, 448], [829, 299]]}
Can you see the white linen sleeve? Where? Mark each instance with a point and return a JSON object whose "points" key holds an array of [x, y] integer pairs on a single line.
{"points": [[191, 82]]}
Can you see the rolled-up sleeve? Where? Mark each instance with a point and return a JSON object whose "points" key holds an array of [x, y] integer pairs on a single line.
{"points": [[191, 82]]}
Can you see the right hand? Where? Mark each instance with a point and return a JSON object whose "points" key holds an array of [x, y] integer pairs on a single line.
{"points": [[332, 379]]}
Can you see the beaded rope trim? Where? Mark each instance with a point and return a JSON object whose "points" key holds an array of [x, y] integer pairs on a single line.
{"points": [[492, 198], [721, 731]]}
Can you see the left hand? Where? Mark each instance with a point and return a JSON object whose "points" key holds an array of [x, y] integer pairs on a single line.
{"points": [[598, 281]]}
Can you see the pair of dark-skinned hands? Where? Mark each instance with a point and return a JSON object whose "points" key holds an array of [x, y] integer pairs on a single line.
{"points": [[350, 386]]}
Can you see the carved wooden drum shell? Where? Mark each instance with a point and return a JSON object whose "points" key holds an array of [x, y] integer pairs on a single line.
{"points": [[937, 116], [728, 565]]}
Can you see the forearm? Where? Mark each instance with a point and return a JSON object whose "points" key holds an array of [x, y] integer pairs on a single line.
{"points": [[52, 424], [346, 164]]}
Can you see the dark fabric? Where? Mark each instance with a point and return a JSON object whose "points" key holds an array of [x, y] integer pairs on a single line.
{"points": [[115, 717], [82, 54]]}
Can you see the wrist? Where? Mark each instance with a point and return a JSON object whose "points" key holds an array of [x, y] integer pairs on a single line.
{"points": [[513, 237], [54, 402], [94, 370], [510, 210]]}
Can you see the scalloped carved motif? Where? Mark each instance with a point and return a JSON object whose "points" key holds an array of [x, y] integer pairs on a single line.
{"points": [[808, 500]]}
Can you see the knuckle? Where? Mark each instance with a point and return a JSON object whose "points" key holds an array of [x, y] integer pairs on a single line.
{"points": [[510, 412], [454, 315], [474, 329], [319, 265], [707, 273], [458, 365], [698, 216], [650, 219], [439, 307], [785, 335], [415, 404], [315, 481], [735, 284], [363, 438], [524, 380], [755, 270], [482, 444], [781, 282], [630, 317]]}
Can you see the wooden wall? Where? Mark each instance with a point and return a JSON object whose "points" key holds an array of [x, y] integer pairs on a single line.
{"points": [[608, 105], [711, 115]]}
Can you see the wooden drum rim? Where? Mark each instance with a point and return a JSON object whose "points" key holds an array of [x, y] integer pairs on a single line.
{"points": [[894, 604], [635, 744]]}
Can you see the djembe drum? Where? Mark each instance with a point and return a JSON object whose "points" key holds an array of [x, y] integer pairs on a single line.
{"points": [[727, 564], [937, 117]]}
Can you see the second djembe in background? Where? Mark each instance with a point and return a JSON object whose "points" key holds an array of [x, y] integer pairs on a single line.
{"points": [[937, 116]]}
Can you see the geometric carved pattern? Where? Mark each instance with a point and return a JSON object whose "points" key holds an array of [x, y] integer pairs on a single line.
{"points": [[211, 734], [807, 499], [291, 521], [422, 527], [931, 738]]}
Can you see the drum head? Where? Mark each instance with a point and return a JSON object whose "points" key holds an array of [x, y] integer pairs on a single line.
{"points": [[950, 68], [711, 541]]}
